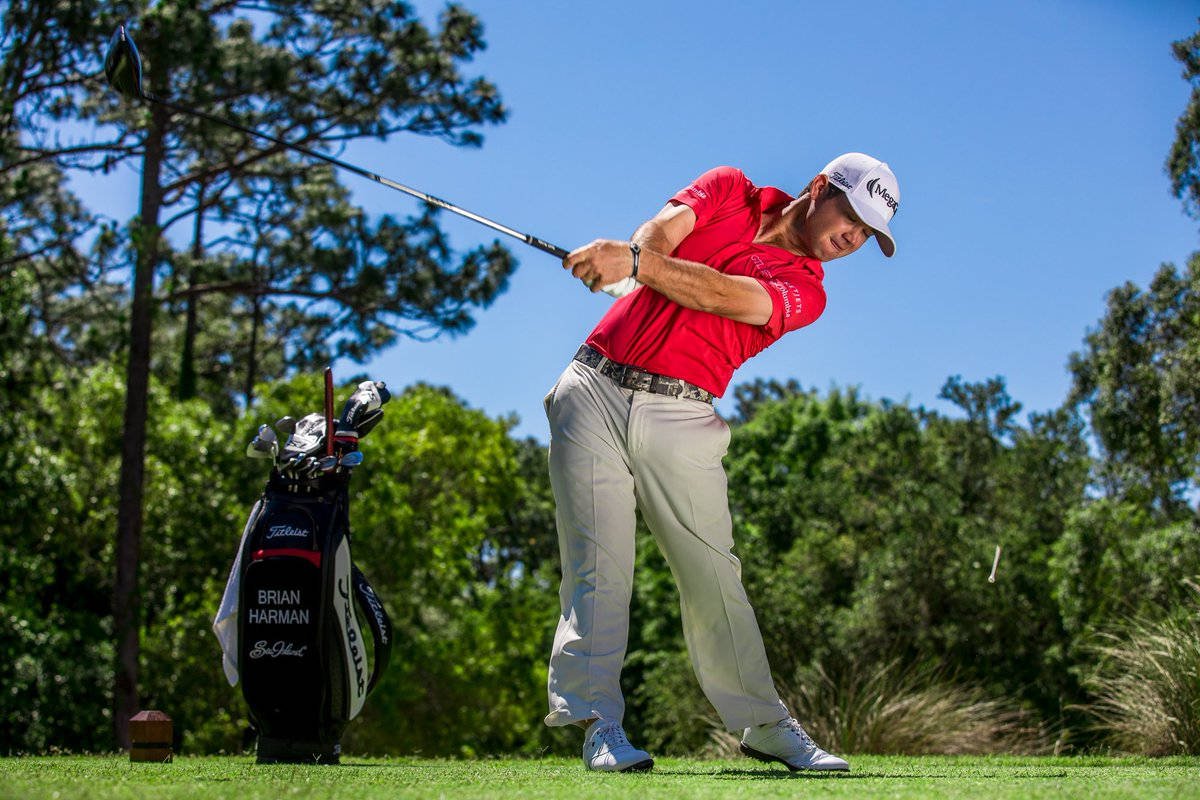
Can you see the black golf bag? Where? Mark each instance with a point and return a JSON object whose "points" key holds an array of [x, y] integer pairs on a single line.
{"points": [[289, 622]]}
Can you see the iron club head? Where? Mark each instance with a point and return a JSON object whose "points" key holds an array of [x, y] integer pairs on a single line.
{"points": [[267, 433], [352, 459], [123, 65], [257, 450]]}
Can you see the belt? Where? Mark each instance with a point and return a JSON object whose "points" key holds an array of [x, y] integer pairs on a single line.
{"points": [[639, 379]]}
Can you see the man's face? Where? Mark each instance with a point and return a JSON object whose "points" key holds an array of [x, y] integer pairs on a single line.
{"points": [[831, 229]]}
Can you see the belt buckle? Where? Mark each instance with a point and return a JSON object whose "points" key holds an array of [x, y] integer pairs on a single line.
{"points": [[671, 387]]}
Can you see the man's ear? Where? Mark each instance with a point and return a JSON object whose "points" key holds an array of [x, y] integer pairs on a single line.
{"points": [[816, 192], [816, 187]]}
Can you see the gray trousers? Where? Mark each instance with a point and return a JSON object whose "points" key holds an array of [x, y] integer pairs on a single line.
{"points": [[612, 449]]}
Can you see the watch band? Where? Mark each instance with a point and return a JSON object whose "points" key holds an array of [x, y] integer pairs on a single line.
{"points": [[637, 252]]}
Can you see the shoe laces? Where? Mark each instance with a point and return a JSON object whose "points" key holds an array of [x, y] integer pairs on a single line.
{"points": [[792, 725], [614, 736]]}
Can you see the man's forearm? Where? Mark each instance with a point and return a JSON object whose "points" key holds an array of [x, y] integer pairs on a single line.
{"points": [[695, 285], [650, 235]]}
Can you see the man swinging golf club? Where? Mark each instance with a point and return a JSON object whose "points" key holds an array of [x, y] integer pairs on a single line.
{"points": [[726, 268]]}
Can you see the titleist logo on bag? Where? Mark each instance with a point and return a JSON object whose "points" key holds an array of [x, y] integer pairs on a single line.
{"points": [[288, 531]]}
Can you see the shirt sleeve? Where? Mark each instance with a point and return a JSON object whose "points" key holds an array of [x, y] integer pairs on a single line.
{"points": [[713, 189], [797, 297]]}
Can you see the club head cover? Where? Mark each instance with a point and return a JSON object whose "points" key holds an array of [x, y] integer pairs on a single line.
{"points": [[307, 438]]}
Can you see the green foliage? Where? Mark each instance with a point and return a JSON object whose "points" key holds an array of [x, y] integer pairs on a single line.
{"points": [[451, 520], [1114, 562], [57, 523], [1136, 380], [869, 531], [1183, 161]]}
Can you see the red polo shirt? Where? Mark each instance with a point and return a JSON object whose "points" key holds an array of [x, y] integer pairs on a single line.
{"points": [[649, 331]]}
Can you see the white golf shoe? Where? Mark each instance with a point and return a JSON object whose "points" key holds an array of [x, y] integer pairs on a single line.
{"points": [[607, 750], [786, 742]]}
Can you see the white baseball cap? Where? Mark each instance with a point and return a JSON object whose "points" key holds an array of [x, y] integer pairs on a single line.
{"points": [[873, 191]]}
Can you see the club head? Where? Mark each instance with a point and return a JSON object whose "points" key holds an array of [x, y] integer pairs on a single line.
{"points": [[286, 424], [367, 398], [254, 451], [123, 65], [327, 463], [352, 459], [266, 433], [307, 437], [368, 421]]}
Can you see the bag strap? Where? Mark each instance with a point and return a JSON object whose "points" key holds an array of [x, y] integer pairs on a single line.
{"points": [[379, 622]]}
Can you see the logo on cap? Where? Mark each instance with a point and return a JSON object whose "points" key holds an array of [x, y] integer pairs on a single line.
{"points": [[840, 179], [874, 188]]}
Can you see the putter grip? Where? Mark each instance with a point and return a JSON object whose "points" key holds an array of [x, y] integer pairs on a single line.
{"points": [[545, 247]]}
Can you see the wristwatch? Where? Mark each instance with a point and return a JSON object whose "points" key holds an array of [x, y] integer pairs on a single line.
{"points": [[637, 252]]}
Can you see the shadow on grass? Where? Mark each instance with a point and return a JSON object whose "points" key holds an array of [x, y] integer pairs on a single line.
{"points": [[765, 774], [810, 775], [423, 765]]}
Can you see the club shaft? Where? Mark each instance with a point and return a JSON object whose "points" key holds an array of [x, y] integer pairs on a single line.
{"points": [[532, 241]]}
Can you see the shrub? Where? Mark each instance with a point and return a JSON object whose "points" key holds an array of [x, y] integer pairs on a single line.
{"points": [[1148, 684], [895, 710]]}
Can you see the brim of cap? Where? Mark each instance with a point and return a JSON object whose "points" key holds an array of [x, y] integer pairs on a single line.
{"points": [[876, 222]]}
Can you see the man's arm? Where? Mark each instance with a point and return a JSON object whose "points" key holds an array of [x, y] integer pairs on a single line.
{"points": [[691, 284]]}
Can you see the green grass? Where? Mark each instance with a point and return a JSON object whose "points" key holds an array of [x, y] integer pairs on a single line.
{"points": [[988, 777]]}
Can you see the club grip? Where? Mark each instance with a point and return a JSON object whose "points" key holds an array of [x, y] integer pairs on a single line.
{"points": [[545, 247]]}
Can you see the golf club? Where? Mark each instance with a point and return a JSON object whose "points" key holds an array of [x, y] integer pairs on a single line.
{"points": [[264, 444], [368, 421], [259, 449], [267, 433], [123, 68], [307, 437], [329, 411]]}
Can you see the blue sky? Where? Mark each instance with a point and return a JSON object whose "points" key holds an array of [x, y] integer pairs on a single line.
{"points": [[1028, 139]]}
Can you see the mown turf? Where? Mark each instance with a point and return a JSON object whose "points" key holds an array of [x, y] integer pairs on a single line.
{"points": [[366, 779]]}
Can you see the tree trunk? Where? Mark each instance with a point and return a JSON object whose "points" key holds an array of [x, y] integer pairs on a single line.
{"points": [[252, 356], [187, 359], [133, 441]]}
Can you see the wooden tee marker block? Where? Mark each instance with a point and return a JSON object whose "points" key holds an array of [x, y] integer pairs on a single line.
{"points": [[150, 736]]}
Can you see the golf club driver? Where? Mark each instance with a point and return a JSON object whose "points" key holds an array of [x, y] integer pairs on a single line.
{"points": [[367, 398], [123, 69]]}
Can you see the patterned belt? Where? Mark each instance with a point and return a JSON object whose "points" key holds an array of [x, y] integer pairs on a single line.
{"points": [[639, 379]]}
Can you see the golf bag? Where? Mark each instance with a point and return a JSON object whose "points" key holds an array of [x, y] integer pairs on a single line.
{"points": [[288, 623]]}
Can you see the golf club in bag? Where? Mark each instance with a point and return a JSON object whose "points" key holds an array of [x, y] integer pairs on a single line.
{"points": [[123, 69], [288, 623]]}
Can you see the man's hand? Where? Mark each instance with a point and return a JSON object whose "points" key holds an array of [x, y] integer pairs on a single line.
{"points": [[605, 262], [600, 263]]}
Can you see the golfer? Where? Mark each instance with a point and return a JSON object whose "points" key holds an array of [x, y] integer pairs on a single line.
{"points": [[726, 268]]}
